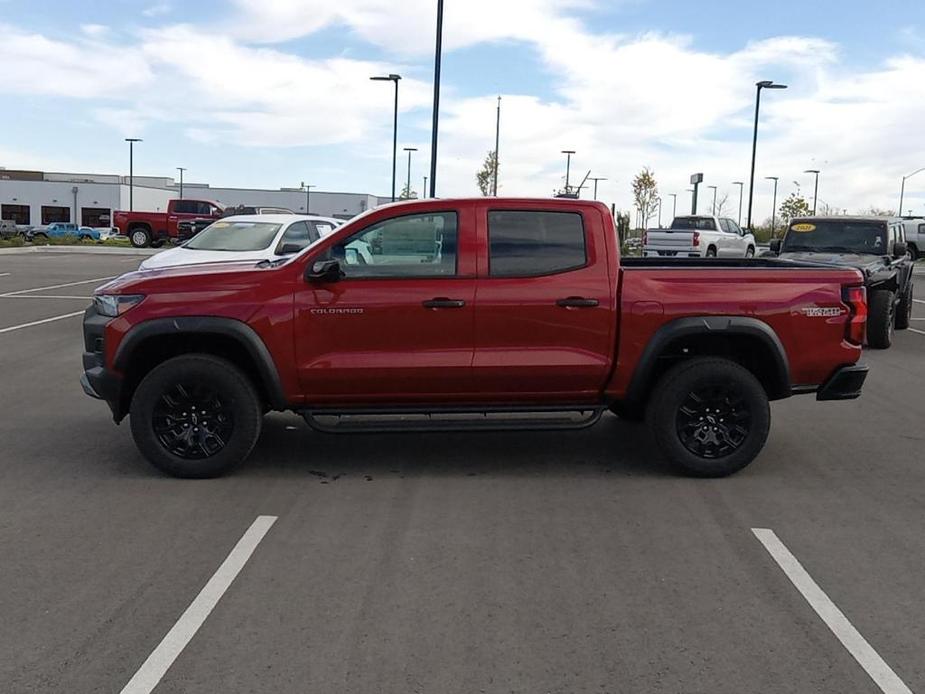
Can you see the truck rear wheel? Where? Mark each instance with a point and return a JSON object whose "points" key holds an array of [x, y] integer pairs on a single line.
{"points": [[904, 310], [140, 237], [711, 252], [881, 319], [710, 416], [195, 416]]}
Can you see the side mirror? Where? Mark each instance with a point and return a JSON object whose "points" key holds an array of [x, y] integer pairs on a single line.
{"points": [[900, 249], [289, 249], [775, 246], [324, 271]]}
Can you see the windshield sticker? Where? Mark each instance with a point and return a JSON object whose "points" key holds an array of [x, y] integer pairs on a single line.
{"points": [[220, 225], [800, 228]]}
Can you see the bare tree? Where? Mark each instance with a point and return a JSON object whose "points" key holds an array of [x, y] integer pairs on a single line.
{"points": [[645, 193], [721, 204]]}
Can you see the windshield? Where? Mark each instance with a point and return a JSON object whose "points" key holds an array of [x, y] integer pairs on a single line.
{"points": [[837, 236], [234, 236], [700, 223]]}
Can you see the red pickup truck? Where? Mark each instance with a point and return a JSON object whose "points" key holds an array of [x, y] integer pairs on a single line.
{"points": [[487, 313], [153, 228]]}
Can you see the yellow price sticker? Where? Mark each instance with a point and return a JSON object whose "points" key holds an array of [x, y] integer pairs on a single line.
{"points": [[803, 227]]}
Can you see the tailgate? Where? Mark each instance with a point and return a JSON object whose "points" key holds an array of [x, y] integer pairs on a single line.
{"points": [[667, 240]]}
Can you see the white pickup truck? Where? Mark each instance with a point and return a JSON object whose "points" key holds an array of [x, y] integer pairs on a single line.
{"points": [[915, 236], [700, 236]]}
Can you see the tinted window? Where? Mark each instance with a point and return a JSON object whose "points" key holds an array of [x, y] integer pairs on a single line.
{"points": [[185, 207], [534, 243], [421, 245], [734, 228], [299, 234], [699, 223]]}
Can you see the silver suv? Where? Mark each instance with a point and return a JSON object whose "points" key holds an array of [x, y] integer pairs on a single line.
{"points": [[915, 236]]}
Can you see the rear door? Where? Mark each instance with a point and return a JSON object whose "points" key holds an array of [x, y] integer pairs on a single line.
{"points": [[544, 318], [398, 327]]}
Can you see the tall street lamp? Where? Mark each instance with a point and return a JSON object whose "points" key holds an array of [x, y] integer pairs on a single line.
{"points": [[438, 54], [741, 184], [392, 78], [693, 192], [131, 170], [815, 189], [713, 188], [674, 205], [181, 169], [308, 197], [494, 186], [659, 198], [568, 165], [765, 84], [902, 190], [409, 150], [596, 179], [773, 204]]}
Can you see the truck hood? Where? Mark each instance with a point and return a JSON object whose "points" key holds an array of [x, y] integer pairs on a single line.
{"points": [[864, 262], [187, 256], [199, 276]]}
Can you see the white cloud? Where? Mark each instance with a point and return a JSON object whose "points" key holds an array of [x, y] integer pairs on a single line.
{"points": [[157, 10]]}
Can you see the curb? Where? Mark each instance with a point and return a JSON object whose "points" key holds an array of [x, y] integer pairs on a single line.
{"points": [[89, 250]]}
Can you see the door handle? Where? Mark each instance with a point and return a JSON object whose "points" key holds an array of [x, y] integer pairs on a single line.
{"points": [[443, 302], [577, 302]]}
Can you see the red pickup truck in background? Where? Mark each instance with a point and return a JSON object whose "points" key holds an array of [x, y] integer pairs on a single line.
{"points": [[153, 228], [482, 314]]}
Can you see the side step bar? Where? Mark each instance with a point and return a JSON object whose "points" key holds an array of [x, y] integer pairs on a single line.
{"points": [[348, 420]]}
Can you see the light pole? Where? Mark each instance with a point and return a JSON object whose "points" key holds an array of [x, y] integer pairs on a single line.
{"points": [[674, 205], [131, 171], [902, 190], [765, 84], [424, 189], [181, 169], [596, 179], [815, 189], [497, 144], [438, 54], [693, 192], [713, 188], [409, 150], [741, 184], [392, 78], [659, 211], [568, 165], [308, 197], [773, 204]]}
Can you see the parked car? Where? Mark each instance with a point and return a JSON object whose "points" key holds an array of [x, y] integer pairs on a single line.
{"points": [[188, 228], [697, 236], [914, 229], [60, 230], [473, 314], [244, 238], [874, 245], [9, 230], [154, 228]]}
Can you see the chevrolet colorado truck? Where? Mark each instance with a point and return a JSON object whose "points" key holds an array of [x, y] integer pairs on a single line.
{"points": [[154, 228], [479, 314], [874, 245]]}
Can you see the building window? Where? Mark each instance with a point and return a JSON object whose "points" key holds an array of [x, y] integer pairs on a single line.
{"points": [[52, 214], [95, 217], [16, 213]]}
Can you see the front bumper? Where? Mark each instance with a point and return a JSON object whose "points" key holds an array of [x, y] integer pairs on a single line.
{"points": [[844, 384], [96, 380]]}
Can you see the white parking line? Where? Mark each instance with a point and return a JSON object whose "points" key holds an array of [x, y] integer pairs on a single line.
{"points": [[58, 286], [4, 274], [881, 673], [920, 332], [39, 322], [162, 657], [919, 301], [47, 296]]}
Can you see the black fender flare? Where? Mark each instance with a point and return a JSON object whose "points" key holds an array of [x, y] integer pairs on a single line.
{"points": [[242, 333], [711, 325]]}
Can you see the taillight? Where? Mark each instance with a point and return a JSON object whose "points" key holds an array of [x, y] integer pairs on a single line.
{"points": [[856, 298], [695, 241]]}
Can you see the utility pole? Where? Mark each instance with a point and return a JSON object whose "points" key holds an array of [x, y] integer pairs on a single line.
{"points": [[181, 170], [438, 54], [816, 188], [497, 144], [741, 185], [308, 197], [773, 204], [392, 78], [764, 84], [131, 171], [409, 150], [596, 179]]}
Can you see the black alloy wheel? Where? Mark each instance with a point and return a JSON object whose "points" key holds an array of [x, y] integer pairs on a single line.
{"points": [[714, 420], [191, 421]]}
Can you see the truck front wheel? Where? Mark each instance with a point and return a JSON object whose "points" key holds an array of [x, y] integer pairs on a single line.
{"points": [[881, 319], [140, 237], [709, 416], [195, 416]]}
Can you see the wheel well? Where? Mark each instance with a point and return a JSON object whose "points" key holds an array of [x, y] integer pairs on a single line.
{"points": [[139, 225], [749, 351], [157, 349]]}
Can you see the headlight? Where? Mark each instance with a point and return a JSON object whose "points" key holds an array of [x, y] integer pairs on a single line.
{"points": [[114, 305]]}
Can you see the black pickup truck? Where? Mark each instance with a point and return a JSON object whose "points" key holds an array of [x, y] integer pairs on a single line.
{"points": [[874, 245]]}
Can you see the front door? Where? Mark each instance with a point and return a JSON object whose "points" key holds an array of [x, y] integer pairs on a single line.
{"points": [[544, 321], [398, 327]]}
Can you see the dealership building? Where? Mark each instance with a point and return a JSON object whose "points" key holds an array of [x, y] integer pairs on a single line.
{"points": [[37, 198]]}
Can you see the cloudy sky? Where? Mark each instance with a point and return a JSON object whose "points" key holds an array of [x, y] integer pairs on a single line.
{"points": [[269, 93]]}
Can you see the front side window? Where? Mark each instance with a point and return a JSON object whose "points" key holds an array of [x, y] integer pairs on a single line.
{"points": [[421, 245], [526, 243], [234, 236], [298, 234]]}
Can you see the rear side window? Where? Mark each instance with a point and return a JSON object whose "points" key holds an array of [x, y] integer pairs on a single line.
{"points": [[524, 244]]}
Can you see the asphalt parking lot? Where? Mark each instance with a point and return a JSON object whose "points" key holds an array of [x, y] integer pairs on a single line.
{"points": [[515, 562]]}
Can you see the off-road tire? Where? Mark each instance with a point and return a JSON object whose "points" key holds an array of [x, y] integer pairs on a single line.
{"points": [[711, 252], [881, 319], [237, 400], [670, 420], [904, 309]]}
